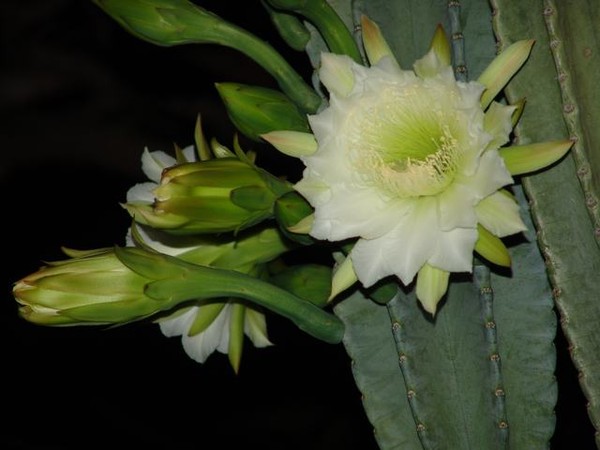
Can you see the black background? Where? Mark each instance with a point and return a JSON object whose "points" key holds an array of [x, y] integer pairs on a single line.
{"points": [[79, 100]]}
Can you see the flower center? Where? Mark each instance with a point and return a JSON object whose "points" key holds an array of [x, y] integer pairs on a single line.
{"points": [[405, 143]]}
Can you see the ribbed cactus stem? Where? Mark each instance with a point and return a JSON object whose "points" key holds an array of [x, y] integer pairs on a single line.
{"points": [[572, 88], [458, 41], [571, 110], [482, 278], [560, 200], [396, 308], [481, 273]]}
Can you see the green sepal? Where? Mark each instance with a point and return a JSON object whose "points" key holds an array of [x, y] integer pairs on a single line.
{"points": [[152, 265], [236, 335], [116, 312], [207, 313], [520, 159], [491, 247], [252, 198], [289, 209]]}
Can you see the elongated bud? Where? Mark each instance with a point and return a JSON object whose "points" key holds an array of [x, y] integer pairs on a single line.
{"points": [[165, 22], [256, 110], [93, 287], [123, 284], [217, 195]]}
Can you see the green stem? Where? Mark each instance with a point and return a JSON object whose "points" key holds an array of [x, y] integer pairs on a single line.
{"points": [[458, 41], [266, 56], [176, 22], [331, 27], [200, 282]]}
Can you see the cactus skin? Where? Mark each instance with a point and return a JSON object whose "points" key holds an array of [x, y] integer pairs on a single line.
{"points": [[563, 199]]}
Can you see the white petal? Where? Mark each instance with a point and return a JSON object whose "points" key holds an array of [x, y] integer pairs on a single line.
{"points": [[179, 324], [215, 337], [141, 193], [201, 345], [336, 73], [315, 190], [168, 244], [429, 65], [356, 213], [490, 176], [457, 207], [153, 164], [454, 250], [499, 213], [401, 252], [190, 154], [498, 123]]}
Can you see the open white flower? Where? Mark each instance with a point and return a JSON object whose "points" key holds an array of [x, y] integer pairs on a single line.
{"points": [[408, 162], [204, 327]]}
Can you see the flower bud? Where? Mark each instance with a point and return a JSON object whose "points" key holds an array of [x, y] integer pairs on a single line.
{"points": [[217, 195], [256, 110], [164, 22], [93, 287]]}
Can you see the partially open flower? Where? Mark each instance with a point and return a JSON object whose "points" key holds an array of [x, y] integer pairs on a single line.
{"points": [[211, 196], [408, 162]]}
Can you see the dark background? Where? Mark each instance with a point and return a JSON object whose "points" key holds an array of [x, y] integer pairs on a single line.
{"points": [[79, 100]]}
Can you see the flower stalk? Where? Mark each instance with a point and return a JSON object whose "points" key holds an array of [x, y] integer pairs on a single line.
{"points": [[176, 22]]}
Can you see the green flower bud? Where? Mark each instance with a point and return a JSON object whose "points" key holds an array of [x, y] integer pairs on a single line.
{"points": [[256, 110], [217, 195], [164, 22], [93, 287]]}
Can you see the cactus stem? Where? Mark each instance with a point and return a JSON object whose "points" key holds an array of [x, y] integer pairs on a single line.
{"points": [[395, 309], [458, 41], [571, 112], [481, 275]]}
